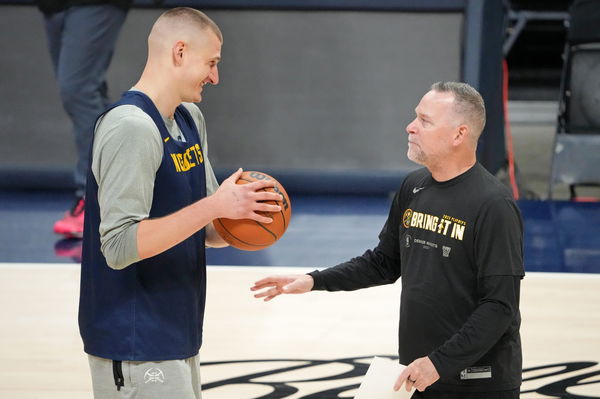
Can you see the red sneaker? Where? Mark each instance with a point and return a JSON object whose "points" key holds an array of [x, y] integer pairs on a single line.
{"points": [[71, 225], [69, 248]]}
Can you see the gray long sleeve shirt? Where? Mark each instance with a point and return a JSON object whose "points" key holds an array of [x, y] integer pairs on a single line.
{"points": [[127, 152]]}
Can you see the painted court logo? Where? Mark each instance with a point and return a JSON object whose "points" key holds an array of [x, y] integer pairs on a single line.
{"points": [[558, 380], [154, 376]]}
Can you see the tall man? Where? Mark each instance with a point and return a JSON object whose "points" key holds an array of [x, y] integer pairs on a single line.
{"points": [[455, 236], [151, 199]]}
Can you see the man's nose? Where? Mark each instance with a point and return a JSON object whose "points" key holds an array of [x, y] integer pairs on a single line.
{"points": [[410, 128], [214, 75]]}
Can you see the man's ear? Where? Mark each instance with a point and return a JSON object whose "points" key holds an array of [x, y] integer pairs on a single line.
{"points": [[461, 134], [178, 51]]}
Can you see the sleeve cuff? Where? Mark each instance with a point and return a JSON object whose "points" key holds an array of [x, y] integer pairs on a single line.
{"points": [[433, 356], [318, 281]]}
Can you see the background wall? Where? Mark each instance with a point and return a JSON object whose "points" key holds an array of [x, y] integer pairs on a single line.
{"points": [[302, 92]]}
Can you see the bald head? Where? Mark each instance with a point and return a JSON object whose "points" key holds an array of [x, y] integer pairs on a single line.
{"points": [[180, 24]]}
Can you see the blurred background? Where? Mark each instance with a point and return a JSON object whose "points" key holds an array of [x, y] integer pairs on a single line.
{"points": [[317, 93]]}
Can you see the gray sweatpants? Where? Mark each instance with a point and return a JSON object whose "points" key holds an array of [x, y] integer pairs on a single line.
{"points": [[146, 380]]}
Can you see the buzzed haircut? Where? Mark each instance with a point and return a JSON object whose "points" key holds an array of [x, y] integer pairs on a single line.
{"points": [[468, 103], [194, 17]]}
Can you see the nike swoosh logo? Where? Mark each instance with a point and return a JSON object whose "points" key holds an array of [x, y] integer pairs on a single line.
{"points": [[416, 190]]}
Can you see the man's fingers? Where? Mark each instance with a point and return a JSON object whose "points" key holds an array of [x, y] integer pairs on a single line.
{"points": [[398, 384], [266, 196], [268, 284], [408, 384], [271, 281], [256, 287], [268, 294], [260, 184], [261, 286], [401, 379], [261, 218], [262, 207], [235, 176], [266, 280], [273, 286], [263, 294]]}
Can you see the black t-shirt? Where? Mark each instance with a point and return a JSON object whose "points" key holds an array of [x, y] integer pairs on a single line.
{"points": [[458, 246]]}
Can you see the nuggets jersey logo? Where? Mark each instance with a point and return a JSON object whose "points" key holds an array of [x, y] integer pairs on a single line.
{"points": [[406, 218], [188, 159]]}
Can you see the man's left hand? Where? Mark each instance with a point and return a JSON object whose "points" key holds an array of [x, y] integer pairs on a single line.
{"points": [[419, 374]]}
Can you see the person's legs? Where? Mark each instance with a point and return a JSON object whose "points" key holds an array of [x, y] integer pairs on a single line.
{"points": [[54, 25], [104, 385], [146, 380], [81, 42], [88, 40], [194, 364]]}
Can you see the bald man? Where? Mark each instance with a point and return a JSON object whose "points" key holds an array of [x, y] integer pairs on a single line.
{"points": [[151, 199], [455, 236]]}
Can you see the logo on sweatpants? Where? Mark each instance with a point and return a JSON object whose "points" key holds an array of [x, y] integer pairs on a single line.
{"points": [[154, 375]]}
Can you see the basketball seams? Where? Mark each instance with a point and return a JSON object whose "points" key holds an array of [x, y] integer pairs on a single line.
{"points": [[263, 189], [281, 211], [236, 235], [242, 241], [275, 203], [267, 230], [283, 215]]}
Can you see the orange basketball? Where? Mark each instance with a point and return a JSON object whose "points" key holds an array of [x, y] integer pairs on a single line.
{"points": [[251, 235]]}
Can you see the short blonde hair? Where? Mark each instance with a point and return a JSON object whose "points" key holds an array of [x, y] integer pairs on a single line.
{"points": [[193, 17], [468, 103]]}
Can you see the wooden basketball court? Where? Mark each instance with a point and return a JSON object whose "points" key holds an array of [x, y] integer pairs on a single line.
{"points": [[316, 345]]}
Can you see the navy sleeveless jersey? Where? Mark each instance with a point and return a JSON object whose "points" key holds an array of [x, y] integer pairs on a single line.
{"points": [[152, 309]]}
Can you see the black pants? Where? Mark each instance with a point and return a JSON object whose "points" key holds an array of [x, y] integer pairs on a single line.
{"points": [[512, 394]]}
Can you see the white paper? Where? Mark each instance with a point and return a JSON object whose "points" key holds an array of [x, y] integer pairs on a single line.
{"points": [[380, 379]]}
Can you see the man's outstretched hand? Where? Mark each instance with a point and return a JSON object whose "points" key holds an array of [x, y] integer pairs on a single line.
{"points": [[285, 284]]}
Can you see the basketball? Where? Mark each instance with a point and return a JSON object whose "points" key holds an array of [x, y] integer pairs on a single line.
{"points": [[250, 235]]}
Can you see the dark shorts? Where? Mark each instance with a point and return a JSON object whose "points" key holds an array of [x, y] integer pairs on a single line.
{"points": [[513, 394]]}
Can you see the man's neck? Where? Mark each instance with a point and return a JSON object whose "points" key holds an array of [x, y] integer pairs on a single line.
{"points": [[160, 93], [445, 171]]}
